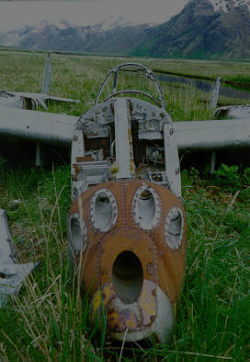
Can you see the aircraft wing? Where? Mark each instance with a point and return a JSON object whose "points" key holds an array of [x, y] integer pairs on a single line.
{"points": [[43, 96], [212, 134], [15, 99], [208, 135], [38, 126], [190, 135]]}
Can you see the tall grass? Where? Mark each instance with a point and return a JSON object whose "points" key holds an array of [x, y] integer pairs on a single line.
{"points": [[48, 319], [79, 77]]}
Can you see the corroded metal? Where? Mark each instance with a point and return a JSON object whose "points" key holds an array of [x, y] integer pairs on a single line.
{"points": [[237, 112], [12, 274], [129, 234]]}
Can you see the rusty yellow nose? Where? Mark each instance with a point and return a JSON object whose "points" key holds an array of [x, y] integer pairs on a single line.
{"points": [[128, 286]]}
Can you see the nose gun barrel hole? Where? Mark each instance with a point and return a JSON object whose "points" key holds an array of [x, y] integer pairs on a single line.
{"points": [[127, 276]]}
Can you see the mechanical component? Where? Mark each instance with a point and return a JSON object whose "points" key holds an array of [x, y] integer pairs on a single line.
{"points": [[174, 227], [146, 208], [78, 233], [103, 210]]}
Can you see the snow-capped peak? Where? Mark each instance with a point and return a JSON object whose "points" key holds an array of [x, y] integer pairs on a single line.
{"points": [[114, 22], [227, 5]]}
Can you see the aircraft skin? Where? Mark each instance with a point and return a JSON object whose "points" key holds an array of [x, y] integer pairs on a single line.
{"points": [[132, 273], [127, 232]]}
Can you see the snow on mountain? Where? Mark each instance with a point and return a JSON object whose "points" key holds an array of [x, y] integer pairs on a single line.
{"points": [[109, 24], [227, 5]]}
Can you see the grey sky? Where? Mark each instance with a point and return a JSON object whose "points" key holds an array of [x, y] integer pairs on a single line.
{"points": [[16, 13]]}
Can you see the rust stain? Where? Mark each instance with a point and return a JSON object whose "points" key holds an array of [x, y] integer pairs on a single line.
{"points": [[76, 168], [85, 159], [147, 303], [119, 321]]}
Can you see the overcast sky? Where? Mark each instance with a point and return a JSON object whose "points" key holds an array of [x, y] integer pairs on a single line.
{"points": [[16, 13]]}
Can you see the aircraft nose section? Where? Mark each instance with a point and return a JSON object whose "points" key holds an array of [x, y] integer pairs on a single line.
{"points": [[129, 291], [129, 238]]}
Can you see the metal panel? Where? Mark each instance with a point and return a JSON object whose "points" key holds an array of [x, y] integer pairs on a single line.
{"points": [[12, 275], [47, 76], [212, 135], [172, 164], [215, 94], [123, 139], [207, 135]]}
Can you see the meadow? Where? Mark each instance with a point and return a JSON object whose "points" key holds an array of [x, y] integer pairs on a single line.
{"points": [[47, 321]]}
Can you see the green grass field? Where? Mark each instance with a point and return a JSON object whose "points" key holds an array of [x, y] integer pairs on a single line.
{"points": [[47, 321]]}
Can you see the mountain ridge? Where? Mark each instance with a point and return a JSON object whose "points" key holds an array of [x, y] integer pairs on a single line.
{"points": [[211, 29]]}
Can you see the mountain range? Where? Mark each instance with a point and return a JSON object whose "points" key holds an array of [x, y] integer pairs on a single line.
{"points": [[211, 29]]}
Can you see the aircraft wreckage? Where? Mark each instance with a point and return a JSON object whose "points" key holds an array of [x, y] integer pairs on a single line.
{"points": [[12, 274], [28, 100], [126, 226]]}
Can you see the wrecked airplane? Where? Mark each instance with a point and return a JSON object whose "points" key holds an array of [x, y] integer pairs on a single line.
{"points": [[126, 225], [28, 100]]}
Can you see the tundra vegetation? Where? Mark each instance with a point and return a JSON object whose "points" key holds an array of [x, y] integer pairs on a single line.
{"points": [[47, 321]]}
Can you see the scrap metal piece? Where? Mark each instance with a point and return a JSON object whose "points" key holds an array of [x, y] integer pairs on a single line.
{"points": [[215, 94], [236, 112], [12, 275], [123, 140], [9, 100], [47, 76]]}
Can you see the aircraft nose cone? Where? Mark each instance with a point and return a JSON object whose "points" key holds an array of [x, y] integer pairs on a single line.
{"points": [[129, 288], [129, 237]]}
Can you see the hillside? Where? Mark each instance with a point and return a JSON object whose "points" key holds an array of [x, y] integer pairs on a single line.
{"points": [[202, 30]]}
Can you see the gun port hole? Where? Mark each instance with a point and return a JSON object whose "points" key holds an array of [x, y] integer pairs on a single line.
{"points": [[127, 277]]}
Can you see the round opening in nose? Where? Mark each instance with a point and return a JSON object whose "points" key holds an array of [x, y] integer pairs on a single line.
{"points": [[127, 276]]}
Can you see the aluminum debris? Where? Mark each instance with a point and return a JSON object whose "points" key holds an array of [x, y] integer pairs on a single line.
{"points": [[47, 76], [215, 94], [12, 274], [236, 112]]}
